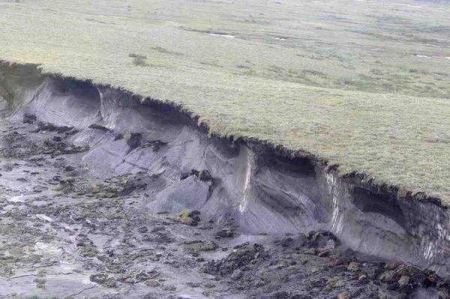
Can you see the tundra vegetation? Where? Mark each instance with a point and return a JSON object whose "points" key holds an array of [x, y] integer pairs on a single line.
{"points": [[362, 84]]}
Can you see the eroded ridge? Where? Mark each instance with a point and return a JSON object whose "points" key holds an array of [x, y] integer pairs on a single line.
{"points": [[110, 195]]}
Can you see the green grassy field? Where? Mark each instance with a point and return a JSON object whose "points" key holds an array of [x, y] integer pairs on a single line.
{"points": [[363, 84]]}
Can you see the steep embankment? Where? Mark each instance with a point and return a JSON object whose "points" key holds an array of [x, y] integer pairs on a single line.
{"points": [[260, 188], [360, 84]]}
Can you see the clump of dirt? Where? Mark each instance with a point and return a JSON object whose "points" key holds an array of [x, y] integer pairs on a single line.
{"points": [[244, 255], [103, 279], [225, 233], [195, 247], [17, 145], [188, 217]]}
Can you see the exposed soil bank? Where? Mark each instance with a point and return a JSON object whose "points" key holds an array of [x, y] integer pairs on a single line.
{"points": [[260, 189]]}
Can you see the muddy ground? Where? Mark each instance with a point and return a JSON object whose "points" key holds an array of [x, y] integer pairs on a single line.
{"points": [[67, 234]]}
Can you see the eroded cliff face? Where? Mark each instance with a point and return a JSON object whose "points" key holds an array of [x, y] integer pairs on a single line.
{"points": [[256, 187]]}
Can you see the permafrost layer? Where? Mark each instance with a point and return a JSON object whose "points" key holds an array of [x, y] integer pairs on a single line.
{"points": [[253, 184]]}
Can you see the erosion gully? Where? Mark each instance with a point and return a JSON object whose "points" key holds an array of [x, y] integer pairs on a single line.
{"points": [[105, 194]]}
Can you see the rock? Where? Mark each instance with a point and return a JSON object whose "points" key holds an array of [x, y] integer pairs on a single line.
{"points": [[141, 276], [29, 118], [153, 283], [157, 229], [224, 233], [392, 265], [431, 280], [236, 274], [322, 239], [143, 229], [383, 294], [40, 282], [353, 266], [203, 175], [209, 285], [287, 242], [193, 284], [403, 281], [280, 295], [42, 126], [333, 283], [134, 140], [198, 246], [387, 276], [362, 278], [99, 127], [129, 186], [104, 280], [343, 295], [86, 247], [160, 237], [191, 218], [310, 251], [242, 256], [336, 262], [405, 270], [323, 252], [69, 168], [155, 145], [169, 288]]}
